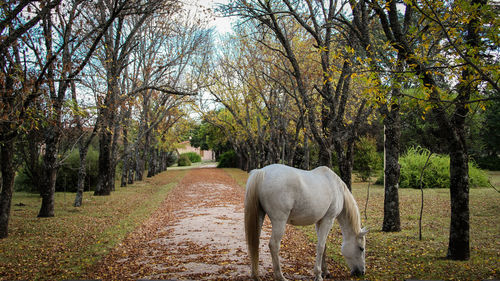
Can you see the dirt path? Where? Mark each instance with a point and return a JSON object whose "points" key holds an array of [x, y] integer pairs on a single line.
{"points": [[197, 234]]}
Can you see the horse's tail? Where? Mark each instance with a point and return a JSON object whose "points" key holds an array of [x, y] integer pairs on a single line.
{"points": [[252, 224]]}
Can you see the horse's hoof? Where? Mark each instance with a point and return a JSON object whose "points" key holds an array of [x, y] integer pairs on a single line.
{"points": [[318, 278]]}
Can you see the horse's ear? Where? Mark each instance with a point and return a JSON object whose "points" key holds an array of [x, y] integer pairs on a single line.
{"points": [[363, 232]]}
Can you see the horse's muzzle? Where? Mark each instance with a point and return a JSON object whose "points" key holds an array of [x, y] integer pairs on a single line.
{"points": [[357, 272]]}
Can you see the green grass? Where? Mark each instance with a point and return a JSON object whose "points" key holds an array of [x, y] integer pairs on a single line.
{"points": [[494, 177], [193, 165], [400, 255], [65, 246], [238, 175]]}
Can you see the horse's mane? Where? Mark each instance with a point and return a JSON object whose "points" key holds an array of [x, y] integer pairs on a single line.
{"points": [[351, 210]]}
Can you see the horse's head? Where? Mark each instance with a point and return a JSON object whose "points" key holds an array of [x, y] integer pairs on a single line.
{"points": [[353, 250]]}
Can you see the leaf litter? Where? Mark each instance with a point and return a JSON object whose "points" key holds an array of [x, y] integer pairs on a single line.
{"points": [[197, 233]]}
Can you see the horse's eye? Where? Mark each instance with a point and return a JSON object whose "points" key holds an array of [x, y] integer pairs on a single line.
{"points": [[361, 249]]}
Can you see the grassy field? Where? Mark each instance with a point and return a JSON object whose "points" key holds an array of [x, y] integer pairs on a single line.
{"points": [[63, 247], [400, 256]]}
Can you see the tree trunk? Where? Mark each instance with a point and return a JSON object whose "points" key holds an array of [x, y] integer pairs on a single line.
{"points": [[325, 156], [126, 153], [345, 157], [114, 151], [391, 170], [125, 169], [459, 244], [158, 161], [49, 168], [131, 171], [32, 160], [306, 154], [105, 182], [82, 173], [458, 247], [7, 185], [152, 162], [163, 161], [139, 164], [105, 165]]}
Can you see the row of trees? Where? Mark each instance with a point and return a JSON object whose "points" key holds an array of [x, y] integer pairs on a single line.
{"points": [[72, 71], [302, 73]]}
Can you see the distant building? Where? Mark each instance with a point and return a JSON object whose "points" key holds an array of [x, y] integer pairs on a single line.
{"points": [[206, 155]]}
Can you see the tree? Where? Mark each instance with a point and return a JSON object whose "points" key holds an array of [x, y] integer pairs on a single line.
{"points": [[456, 45], [20, 86], [259, 119], [378, 59], [84, 142], [117, 44], [341, 111], [76, 46]]}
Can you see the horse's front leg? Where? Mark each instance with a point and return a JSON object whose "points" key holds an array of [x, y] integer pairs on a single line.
{"points": [[324, 266], [278, 229], [322, 229]]}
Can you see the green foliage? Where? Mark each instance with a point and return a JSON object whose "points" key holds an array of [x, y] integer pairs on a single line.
{"points": [[183, 160], [228, 159], [171, 158], [437, 172], [200, 135], [67, 175], [491, 162], [366, 158], [193, 157], [490, 136], [23, 181]]}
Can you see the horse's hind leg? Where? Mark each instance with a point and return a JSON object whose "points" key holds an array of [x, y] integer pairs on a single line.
{"points": [[322, 229], [274, 246]]}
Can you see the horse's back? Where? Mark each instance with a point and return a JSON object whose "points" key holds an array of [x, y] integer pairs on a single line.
{"points": [[303, 197]]}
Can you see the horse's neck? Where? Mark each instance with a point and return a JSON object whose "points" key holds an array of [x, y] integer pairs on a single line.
{"points": [[346, 225], [349, 217]]}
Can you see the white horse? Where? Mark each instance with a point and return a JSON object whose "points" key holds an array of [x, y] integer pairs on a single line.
{"points": [[298, 197]]}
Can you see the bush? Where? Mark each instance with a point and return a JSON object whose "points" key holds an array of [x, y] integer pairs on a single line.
{"points": [[228, 159], [437, 172], [193, 156], [23, 182], [489, 162], [67, 175], [183, 161], [171, 158], [366, 158]]}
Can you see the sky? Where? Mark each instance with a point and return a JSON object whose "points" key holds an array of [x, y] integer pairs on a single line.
{"points": [[222, 24]]}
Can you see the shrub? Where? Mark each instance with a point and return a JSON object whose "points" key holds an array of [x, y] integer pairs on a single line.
{"points": [[193, 156], [183, 161], [437, 172], [23, 182], [228, 159], [366, 158], [491, 162], [67, 175], [171, 158]]}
